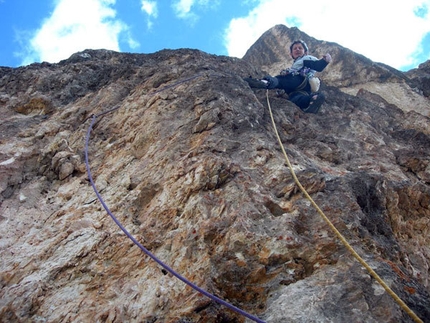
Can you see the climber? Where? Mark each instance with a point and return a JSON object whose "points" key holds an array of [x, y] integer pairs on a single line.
{"points": [[298, 81]]}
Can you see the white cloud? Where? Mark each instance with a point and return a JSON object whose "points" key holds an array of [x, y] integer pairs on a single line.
{"points": [[151, 9], [382, 30], [183, 8], [132, 43], [76, 25]]}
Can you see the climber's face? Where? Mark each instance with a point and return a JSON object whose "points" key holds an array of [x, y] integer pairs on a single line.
{"points": [[297, 51]]}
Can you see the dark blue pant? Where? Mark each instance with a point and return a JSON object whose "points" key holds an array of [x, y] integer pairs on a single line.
{"points": [[290, 83], [301, 99]]}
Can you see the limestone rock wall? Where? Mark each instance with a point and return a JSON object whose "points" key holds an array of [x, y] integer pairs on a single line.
{"points": [[189, 163]]}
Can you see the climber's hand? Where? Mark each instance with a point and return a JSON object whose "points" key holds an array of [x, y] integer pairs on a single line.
{"points": [[327, 58]]}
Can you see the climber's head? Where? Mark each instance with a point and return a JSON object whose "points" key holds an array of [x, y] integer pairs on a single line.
{"points": [[298, 48]]}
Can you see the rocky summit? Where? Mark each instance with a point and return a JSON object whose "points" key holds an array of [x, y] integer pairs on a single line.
{"points": [[183, 153]]}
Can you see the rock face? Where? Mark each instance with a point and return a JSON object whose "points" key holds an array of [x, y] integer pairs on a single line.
{"points": [[187, 160], [421, 78]]}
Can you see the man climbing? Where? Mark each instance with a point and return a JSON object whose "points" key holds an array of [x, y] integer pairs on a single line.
{"points": [[298, 81]]}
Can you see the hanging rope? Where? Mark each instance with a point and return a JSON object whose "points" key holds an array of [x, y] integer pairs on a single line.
{"points": [[137, 243], [333, 228]]}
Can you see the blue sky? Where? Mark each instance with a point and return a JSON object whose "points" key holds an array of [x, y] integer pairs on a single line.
{"points": [[396, 33]]}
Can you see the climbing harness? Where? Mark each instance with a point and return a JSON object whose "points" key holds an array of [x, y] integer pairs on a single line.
{"points": [[333, 228], [137, 243]]}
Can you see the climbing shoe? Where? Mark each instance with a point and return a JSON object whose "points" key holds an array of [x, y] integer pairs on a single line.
{"points": [[317, 100], [256, 83]]}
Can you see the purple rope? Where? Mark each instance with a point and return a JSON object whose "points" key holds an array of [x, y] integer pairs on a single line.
{"points": [[137, 243]]}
